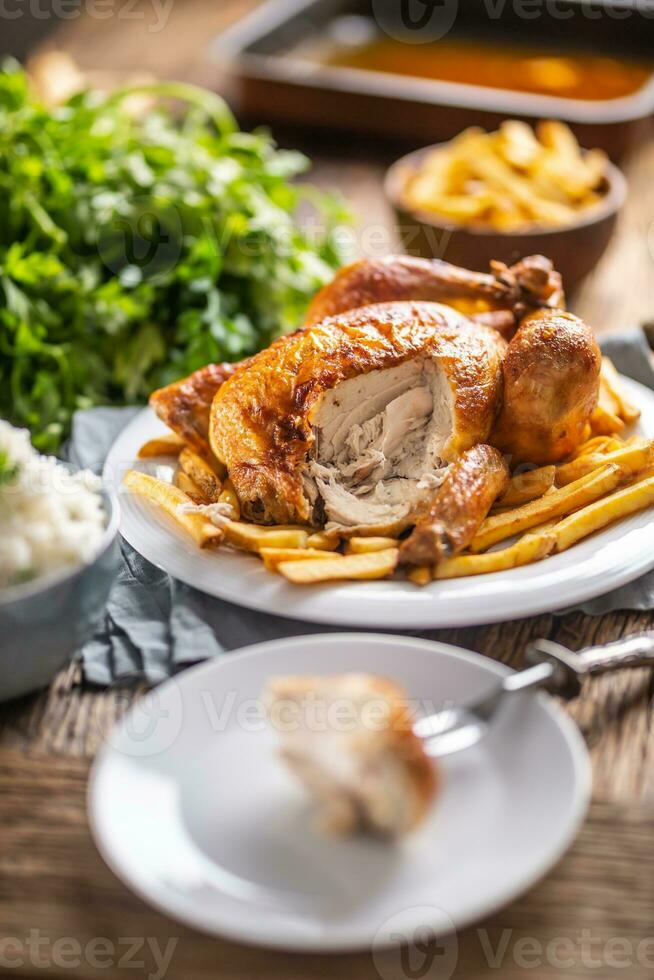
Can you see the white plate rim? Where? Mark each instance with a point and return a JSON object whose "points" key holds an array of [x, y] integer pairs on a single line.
{"points": [[150, 890], [558, 582]]}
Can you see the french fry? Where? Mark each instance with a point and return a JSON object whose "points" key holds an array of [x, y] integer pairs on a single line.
{"points": [[273, 557], [287, 527], [187, 486], [603, 512], [640, 477], [202, 474], [530, 548], [363, 546], [555, 504], [172, 500], [631, 458], [605, 420], [374, 565], [323, 542], [229, 496], [627, 412], [598, 444], [166, 445], [528, 486], [251, 537], [558, 137], [420, 575], [518, 144], [607, 398]]}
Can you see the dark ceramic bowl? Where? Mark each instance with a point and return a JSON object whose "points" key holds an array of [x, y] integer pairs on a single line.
{"points": [[43, 622], [574, 249]]}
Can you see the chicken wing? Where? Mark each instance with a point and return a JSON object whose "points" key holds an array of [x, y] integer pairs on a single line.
{"points": [[185, 406]]}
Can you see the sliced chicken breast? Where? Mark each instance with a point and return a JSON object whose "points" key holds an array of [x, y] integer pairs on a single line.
{"points": [[381, 446]]}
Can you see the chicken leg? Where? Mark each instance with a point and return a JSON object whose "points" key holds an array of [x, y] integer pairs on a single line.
{"points": [[500, 299], [460, 504]]}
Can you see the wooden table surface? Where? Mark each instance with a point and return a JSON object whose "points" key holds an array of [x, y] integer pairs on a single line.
{"points": [[592, 915]]}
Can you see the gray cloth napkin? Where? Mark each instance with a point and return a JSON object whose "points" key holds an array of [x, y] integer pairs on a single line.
{"points": [[154, 625]]}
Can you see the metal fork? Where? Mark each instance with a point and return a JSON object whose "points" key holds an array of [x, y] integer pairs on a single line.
{"points": [[553, 668]]}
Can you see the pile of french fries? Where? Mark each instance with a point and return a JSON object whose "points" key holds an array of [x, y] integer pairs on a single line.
{"points": [[548, 508], [510, 180]]}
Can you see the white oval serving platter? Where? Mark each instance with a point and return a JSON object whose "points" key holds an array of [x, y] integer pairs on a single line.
{"points": [[603, 562]]}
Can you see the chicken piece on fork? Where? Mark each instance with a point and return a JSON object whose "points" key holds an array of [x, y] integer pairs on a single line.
{"points": [[353, 421]]}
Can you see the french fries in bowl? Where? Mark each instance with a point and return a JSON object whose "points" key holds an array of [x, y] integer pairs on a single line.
{"points": [[543, 511], [507, 194]]}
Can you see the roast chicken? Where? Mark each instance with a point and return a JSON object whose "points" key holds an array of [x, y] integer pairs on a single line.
{"points": [[399, 402]]}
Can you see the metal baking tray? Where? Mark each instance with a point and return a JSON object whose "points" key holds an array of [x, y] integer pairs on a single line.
{"points": [[276, 82]]}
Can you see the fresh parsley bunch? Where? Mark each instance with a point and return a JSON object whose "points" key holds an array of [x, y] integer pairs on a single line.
{"points": [[137, 247]]}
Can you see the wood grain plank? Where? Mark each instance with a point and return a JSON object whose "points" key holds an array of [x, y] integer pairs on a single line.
{"points": [[53, 880]]}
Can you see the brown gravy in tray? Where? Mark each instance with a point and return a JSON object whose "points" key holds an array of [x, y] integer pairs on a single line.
{"points": [[539, 71]]}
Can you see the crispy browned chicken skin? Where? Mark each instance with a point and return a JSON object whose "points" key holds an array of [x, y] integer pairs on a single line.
{"points": [[551, 383], [291, 426], [499, 299]]}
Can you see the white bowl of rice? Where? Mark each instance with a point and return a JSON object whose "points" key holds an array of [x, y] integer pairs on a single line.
{"points": [[58, 558]]}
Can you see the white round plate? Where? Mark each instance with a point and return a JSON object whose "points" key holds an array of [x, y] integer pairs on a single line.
{"points": [[191, 807], [601, 563]]}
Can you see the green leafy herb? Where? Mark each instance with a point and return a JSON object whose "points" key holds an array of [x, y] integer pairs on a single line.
{"points": [[135, 249], [8, 470]]}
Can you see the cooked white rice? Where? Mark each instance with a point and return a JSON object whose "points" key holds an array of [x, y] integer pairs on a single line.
{"points": [[49, 518]]}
